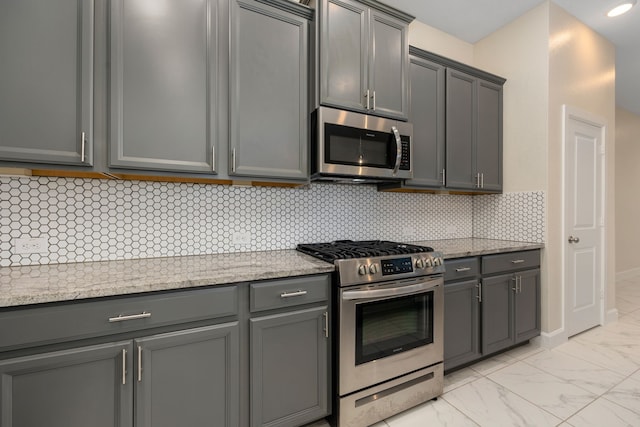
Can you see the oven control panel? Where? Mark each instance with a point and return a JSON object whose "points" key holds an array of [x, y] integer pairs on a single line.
{"points": [[367, 270], [396, 266]]}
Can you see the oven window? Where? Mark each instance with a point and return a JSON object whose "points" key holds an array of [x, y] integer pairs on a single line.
{"points": [[392, 326]]}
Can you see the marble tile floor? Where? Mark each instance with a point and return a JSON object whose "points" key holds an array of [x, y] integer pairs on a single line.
{"points": [[591, 380]]}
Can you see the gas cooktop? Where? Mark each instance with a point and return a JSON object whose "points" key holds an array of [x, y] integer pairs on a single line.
{"points": [[346, 249]]}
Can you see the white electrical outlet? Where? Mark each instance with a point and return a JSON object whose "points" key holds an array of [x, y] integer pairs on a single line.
{"points": [[31, 245], [241, 238]]}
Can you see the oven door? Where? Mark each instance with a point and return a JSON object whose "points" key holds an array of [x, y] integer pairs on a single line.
{"points": [[388, 330]]}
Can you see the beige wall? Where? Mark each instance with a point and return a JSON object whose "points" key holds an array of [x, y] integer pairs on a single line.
{"points": [[430, 39], [627, 200], [582, 75]]}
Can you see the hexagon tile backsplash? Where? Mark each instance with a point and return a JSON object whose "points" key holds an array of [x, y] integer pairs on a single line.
{"points": [[95, 220]]}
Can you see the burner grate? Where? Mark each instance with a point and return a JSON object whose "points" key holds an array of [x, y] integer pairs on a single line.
{"points": [[346, 249]]}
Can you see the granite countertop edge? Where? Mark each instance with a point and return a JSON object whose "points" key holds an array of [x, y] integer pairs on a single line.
{"points": [[48, 283]]}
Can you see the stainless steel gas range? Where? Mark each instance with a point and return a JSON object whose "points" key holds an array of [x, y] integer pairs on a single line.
{"points": [[387, 327]]}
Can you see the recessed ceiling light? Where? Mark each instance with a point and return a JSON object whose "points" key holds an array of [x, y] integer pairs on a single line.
{"points": [[622, 8]]}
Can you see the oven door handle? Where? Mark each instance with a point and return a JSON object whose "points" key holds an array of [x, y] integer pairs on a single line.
{"points": [[391, 292]]}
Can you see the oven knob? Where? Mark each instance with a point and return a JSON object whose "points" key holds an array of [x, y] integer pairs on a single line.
{"points": [[428, 262], [437, 261], [420, 263], [373, 268], [362, 270]]}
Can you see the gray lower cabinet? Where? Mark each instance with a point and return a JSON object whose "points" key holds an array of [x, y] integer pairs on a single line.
{"points": [[363, 57], [162, 87], [188, 378], [461, 323], [491, 303], [269, 106], [46, 89], [289, 360], [80, 387]]}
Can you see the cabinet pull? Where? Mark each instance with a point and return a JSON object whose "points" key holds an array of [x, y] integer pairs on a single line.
{"points": [[121, 318], [515, 286], [82, 143], [297, 293], [373, 97], [233, 160], [124, 366], [519, 284], [326, 324], [139, 363], [366, 95], [517, 261], [477, 180], [213, 158], [444, 177], [460, 269], [479, 296], [482, 180]]}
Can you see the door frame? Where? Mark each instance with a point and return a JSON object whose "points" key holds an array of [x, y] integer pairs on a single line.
{"points": [[570, 112]]}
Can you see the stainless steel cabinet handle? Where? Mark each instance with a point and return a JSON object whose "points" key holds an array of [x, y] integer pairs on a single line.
{"points": [[479, 296], [122, 318], [444, 177], [574, 239], [297, 293], [366, 95], [517, 261], [139, 363], [460, 269], [124, 366], [326, 324], [396, 135], [213, 158], [519, 284], [482, 180], [478, 180], [233, 160], [82, 143], [373, 97]]}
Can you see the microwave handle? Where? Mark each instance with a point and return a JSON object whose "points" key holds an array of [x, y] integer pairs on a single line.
{"points": [[396, 134]]}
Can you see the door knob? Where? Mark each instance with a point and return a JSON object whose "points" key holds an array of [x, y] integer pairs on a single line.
{"points": [[573, 239]]}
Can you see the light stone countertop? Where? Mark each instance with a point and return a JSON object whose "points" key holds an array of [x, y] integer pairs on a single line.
{"points": [[67, 282], [457, 248]]}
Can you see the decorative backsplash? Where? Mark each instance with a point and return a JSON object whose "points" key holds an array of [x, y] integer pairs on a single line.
{"points": [[96, 220]]}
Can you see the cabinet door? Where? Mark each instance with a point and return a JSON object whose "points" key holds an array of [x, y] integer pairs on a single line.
{"points": [[460, 118], [461, 323], [489, 135], [46, 88], [427, 115], [269, 107], [289, 368], [388, 71], [497, 313], [188, 378], [163, 80], [72, 388], [343, 54], [527, 308]]}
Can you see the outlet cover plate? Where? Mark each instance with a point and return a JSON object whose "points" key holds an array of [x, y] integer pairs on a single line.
{"points": [[31, 245]]}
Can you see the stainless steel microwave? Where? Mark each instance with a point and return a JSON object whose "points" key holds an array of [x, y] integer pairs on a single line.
{"points": [[354, 147]]}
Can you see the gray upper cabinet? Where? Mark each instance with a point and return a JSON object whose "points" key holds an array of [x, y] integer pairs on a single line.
{"points": [[474, 133], [85, 386], [46, 89], [188, 378], [269, 91], [163, 79], [364, 57]]}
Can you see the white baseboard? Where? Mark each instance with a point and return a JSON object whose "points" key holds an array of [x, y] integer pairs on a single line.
{"points": [[611, 316], [551, 339], [628, 274]]}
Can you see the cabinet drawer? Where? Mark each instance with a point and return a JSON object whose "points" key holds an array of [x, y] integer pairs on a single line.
{"points": [[70, 321], [460, 268], [288, 293], [510, 261]]}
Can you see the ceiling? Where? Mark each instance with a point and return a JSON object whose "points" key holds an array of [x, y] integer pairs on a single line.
{"points": [[472, 20]]}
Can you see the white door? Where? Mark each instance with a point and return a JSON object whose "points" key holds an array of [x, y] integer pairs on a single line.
{"points": [[583, 220]]}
